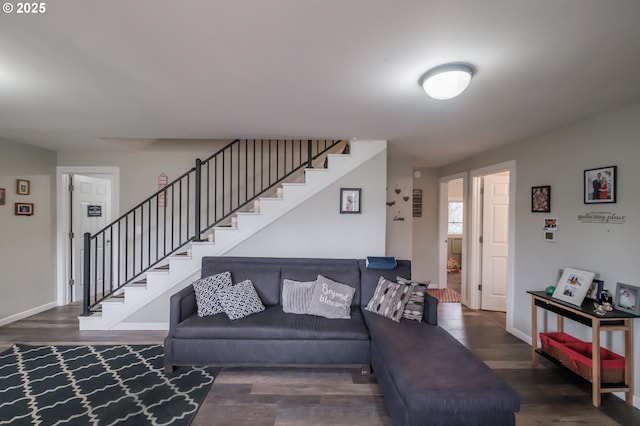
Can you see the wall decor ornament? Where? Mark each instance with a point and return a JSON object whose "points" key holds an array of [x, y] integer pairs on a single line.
{"points": [[541, 199], [24, 209], [600, 185], [350, 200], [23, 187], [573, 286], [3, 196]]}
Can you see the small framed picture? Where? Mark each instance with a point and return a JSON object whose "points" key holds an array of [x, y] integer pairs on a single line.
{"points": [[626, 298], [24, 209], [600, 185], [541, 199], [23, 187], [573, 286], [350, 200], [3, 196], [594, 290]]}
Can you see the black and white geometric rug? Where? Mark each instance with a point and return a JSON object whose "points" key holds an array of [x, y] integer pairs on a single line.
{"points": [[97, 385]]}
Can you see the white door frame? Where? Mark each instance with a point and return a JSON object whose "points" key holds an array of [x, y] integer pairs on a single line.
{"points": [[475, 248], [443, 233], [62, 218]]}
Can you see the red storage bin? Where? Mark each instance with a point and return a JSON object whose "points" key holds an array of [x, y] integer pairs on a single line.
{"points": [[553, 344], [580, 356]]}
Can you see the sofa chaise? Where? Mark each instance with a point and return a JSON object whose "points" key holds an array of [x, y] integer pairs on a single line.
{"points": [[426, 376]]}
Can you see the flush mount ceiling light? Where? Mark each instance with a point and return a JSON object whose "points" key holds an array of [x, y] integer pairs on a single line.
{"points": [[446, 81]]}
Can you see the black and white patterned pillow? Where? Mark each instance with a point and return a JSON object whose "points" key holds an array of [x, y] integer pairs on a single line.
{"points": [[240, 300], [414, 309], [206, 289], [389, 299]]}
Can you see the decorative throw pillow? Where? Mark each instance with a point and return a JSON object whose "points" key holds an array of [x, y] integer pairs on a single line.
{"points": [[331, 299], [414, 309], [206, 289], [240, 300], [296, 296], [389, 299]]}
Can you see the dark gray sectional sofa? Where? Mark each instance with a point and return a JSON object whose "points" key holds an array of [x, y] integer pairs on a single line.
{"points": [[427, 377]]}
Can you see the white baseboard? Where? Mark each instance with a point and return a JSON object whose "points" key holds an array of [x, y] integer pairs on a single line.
{"points": [[141, 326], [27, 313]]}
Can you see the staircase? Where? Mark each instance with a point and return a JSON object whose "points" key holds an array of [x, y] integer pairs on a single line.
{"points": [[183, 267]]}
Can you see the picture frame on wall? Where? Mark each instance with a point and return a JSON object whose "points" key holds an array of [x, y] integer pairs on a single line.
{"points": [[600, 185], [595, 289], [24, 209], [573, 286], [3, 196], [350, 200], [23, 187], [627, 298], [541, 199]]}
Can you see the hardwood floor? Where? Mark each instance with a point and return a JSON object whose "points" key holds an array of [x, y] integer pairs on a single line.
{"points": [[264, 396]]}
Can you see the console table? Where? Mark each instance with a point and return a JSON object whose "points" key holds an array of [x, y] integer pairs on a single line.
{"points": [[612, 321]]}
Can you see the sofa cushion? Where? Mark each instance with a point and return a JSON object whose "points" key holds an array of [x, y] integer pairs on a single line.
{"points": [[389, 299], [297, 295], [206, 289], [331, 299], [414, 309], [273, 323], [433, 372], [240, 300]]}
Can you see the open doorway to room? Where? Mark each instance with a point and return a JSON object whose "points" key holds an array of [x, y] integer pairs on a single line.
{"points": [[87, 198], [451, 231]]}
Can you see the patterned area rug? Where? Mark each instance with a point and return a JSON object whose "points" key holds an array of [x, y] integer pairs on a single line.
{"points": [[445, 295], [97, 385]]}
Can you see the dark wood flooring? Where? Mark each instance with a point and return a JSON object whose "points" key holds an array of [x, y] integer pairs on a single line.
{"points": [[263, 396]]}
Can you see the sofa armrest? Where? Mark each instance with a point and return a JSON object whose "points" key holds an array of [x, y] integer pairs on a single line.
{"points": [[182, 305], [430, 314]]}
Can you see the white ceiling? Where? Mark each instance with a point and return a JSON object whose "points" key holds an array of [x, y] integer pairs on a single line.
{"points": [[97, 75]]}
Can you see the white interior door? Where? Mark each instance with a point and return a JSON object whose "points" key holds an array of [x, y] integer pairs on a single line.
{"points": [[495, 237], [91, 208]]}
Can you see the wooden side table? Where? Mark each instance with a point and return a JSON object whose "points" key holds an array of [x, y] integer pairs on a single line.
{"points": [[612, 321]]}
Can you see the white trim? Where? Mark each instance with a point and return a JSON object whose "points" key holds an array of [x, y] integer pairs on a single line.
{"points": [[476, 201], [141, 326], [27, 313], [62, 217]]}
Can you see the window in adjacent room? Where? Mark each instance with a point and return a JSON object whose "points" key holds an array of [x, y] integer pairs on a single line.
{"points": [[455, 218]]}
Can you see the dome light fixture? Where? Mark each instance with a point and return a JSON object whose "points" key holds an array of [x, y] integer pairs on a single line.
{"points": [[447, 81]]}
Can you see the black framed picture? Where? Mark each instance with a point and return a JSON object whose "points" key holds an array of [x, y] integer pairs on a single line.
{"points": [[350, 200], [541, 199], [600, 185]]}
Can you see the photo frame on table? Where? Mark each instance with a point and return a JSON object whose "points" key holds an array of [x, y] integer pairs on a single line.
{"points": [[573, 286], [24, 209], [627, 298], [594, 291], [3, 196], [350, 200], [541, 199], [600, 185], [23, 187]]}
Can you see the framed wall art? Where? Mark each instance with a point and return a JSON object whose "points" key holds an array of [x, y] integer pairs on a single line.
{"points": [[541, 199], [573, 286], [24, 209], [626, 298], [600, 185], [3, 196], [350, 200], [23, 187]]}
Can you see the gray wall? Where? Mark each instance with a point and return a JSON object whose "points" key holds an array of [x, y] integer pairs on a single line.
{"points": [[559, 159], [424, 265], [27, 243]]}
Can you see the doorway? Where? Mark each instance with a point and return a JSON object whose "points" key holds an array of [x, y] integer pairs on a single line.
{"points": [[452, 234], [87, 198]]}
